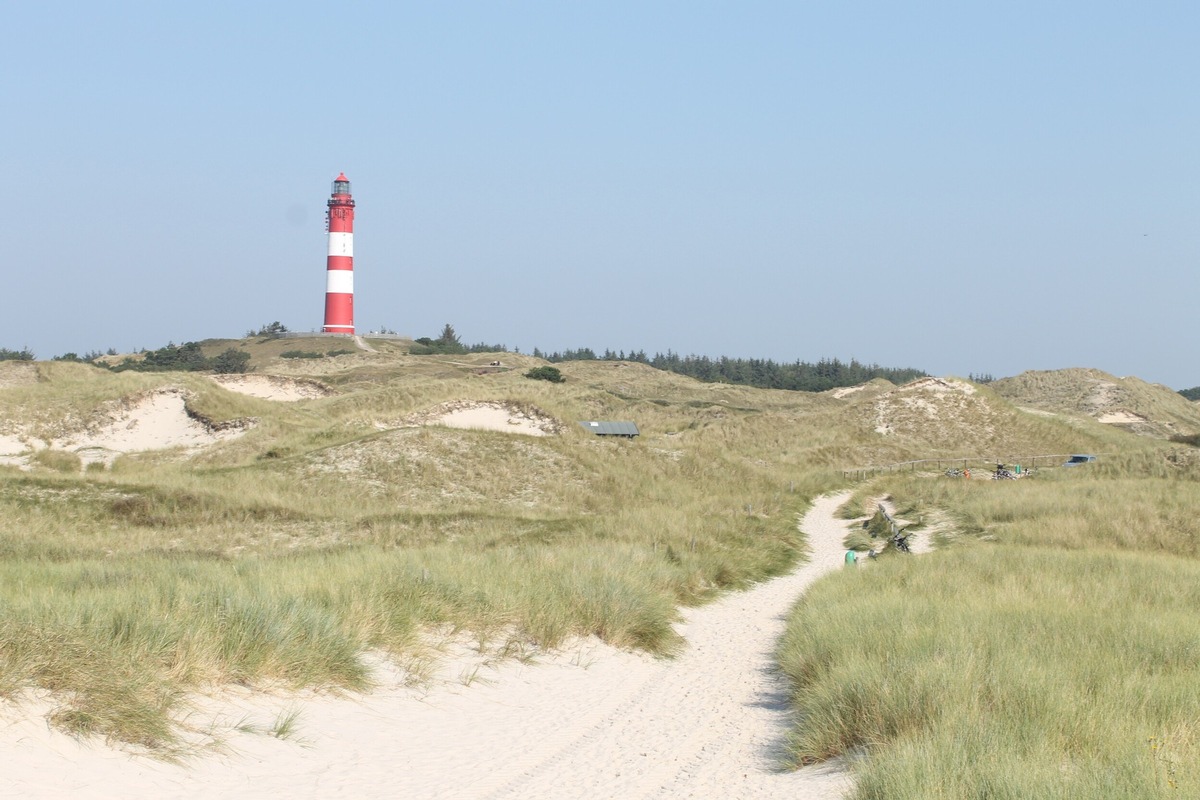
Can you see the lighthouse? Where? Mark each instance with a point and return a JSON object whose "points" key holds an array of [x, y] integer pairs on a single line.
{"points": [[339, 269]]}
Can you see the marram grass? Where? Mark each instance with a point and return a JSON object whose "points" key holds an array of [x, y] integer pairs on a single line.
{"points": [[121, 593], [333, 527], [1051, 649]]}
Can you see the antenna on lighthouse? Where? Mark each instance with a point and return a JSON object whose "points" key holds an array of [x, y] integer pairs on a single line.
{"points": [[339, 268]]}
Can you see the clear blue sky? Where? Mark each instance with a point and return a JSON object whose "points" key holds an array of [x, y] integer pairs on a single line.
{"points": [[959, 187]]}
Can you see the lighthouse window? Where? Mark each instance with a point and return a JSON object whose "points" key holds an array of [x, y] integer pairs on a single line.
{"points": [[341, 187]]}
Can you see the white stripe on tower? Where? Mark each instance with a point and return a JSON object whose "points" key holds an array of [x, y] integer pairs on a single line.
{"points": [[341, 244], [339, 281]]}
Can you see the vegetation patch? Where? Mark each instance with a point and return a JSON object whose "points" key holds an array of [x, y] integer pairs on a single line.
{"points": [[551, 374], [329, 529], [1003, 672], [58, 460], [1044, 652]]}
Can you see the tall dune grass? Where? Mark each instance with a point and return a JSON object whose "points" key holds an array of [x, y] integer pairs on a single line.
{"points": [[989, 672], [330, 528], [1050, 649], [282, 556]]}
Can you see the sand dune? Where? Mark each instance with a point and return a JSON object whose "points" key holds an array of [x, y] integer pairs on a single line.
{"points": [[274, 387], [591, 722], [157, 421], [490, 416]]}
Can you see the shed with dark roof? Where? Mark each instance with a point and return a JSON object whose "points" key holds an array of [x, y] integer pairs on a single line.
{"points": [[626, 429]]}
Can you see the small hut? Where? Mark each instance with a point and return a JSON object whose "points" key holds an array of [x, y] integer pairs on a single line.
{"points": [[627, 430]]}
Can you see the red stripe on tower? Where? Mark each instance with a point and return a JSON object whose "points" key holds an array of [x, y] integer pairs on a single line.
{"points": [[339, 269]]}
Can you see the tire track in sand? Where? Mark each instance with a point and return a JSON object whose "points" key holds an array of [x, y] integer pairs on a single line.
{"points": [[710, 723]]}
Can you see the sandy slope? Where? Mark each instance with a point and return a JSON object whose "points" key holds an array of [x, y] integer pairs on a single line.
{"points": [[156, 421], [274, 387], [494, 417], [593, 723]]}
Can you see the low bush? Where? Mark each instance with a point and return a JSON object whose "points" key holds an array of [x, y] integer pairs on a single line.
{"points": [[273, 329], [551, 374], [15, 355], [231, 361]]}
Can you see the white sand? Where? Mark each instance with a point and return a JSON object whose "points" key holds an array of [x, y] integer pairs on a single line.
{"points": [[592, 723], [937, 385], [1120, 416], [154, 422], [493, 416], [274, 387], [11, 445]]}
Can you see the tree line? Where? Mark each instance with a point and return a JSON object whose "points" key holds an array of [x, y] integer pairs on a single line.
{"points": [[800, 376], [188, 357]]}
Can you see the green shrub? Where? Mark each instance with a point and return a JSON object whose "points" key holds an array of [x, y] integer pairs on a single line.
{"points": [[187, 357], [273, 329], [231, 361], [15, 355], [301, 354], [551, 374]]}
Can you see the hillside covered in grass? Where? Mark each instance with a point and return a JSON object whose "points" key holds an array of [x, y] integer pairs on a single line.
{"points": [[1143, 408], [166, 532]]}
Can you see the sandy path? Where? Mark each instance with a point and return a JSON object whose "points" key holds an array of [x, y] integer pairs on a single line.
{"points": [[594, 724]]}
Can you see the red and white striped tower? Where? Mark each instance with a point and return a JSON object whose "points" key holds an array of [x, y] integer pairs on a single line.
{"points": [[339, 270]]}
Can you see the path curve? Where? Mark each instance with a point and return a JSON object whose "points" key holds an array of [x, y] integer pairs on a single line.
{"points": [[597, 724]]}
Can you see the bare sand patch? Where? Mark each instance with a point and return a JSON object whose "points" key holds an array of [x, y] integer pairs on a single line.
{"points": [[274, 387], [937, 385], [152, 421], [12, 445], [1121, 416], [491, 415], [944, 405]]}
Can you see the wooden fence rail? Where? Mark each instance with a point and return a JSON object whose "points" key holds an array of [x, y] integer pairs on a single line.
{"points": [[892, 526]]}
